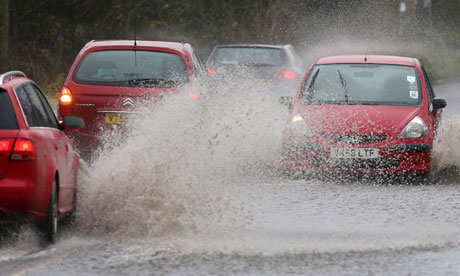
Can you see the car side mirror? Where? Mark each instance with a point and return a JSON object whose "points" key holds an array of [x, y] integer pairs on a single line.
{"points": [[287, 101], [71, 122], [439, 103]]}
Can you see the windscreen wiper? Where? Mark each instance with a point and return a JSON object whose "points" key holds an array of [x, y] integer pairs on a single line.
{"points": [[344, 84], [150, 82], [312, 82], [309, 95]]}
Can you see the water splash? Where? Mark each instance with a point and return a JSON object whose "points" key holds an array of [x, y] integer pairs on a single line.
{"points": [[172, 174], [446, 153]]}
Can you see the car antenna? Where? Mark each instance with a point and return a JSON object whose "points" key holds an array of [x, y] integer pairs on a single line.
{"points": [[135, 31], [135, 41]]}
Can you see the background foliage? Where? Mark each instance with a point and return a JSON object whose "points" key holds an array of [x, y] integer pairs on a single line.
{"points": [[42, 38]]}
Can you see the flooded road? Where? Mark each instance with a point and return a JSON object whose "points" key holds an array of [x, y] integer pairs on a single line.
{"points": [[175, 205]]}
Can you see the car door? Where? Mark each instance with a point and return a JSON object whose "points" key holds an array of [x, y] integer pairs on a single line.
{"points": [[65, 153], [53, 141]]}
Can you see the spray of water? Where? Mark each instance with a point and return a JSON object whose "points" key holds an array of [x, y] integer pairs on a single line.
{"points": [[446, 155], [173, 172], [17, 240]]}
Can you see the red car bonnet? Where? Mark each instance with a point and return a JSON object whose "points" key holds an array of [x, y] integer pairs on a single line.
{"points": [[357, 118]]}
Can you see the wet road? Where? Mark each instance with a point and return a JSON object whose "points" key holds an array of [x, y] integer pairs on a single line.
{"points": [[242, 223]]}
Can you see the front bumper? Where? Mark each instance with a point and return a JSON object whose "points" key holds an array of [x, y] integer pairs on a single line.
{"points": [[311, 157]]}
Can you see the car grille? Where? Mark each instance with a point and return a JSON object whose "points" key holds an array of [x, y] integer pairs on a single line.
{"points": [[381, 163], [355, 139]]}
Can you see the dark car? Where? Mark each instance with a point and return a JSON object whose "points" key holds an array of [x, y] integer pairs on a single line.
{"points": [[38, 162], [110, 78], [363, 114], [276, 68]]}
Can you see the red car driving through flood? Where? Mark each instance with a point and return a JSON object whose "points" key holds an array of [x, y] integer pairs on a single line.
{"points": [[362, 114], [110, 78], [38, 162]]}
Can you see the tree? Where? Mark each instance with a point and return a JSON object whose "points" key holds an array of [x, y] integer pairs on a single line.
{"points": [[4, 24]]}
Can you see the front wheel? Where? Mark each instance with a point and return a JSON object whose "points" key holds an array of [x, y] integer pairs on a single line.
{"points": [[51, 220]]}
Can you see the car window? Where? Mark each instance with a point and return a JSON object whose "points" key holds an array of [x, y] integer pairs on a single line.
{"points": [[51, 117], [131, 68], [34, 111], [45, 117], [30, 113], [430, 93], [7, 113], [381, 84], [258, 56]]}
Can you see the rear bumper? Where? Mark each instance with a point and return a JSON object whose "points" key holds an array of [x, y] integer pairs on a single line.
{"points": [[18, 197], [95, 136]]}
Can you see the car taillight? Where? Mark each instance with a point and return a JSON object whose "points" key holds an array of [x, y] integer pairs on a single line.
{"points": [[5, 147], [288, 75], [65, 97], [193, 95], [23, 150], [65, 101]]}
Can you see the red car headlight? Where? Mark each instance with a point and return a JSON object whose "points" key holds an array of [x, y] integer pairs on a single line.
{"points": [[414, 129], [298, 127]]}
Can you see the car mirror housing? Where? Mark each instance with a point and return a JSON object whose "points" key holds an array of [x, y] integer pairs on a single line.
{"points": [[439, 103], [73, 122]]}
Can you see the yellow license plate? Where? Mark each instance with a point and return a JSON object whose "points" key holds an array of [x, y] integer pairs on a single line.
{"points": [[117, 118]]}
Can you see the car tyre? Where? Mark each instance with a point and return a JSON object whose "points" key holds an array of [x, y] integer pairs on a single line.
{"points": [[73, 213], [51, 221]]}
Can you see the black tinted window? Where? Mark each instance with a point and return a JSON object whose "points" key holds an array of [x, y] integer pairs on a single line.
{"points": [[7, 115], [132, 68], [43, 106], [34, 111], [32, 118]]}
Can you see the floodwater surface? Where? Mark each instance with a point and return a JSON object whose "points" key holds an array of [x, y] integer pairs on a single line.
{"points": [[195, 190]]}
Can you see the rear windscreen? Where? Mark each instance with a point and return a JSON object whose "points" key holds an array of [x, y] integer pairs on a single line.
{"points": [[131, 68], [7, 115], [257, 56]]}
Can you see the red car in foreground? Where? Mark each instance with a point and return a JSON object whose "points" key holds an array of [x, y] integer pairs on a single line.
{"points": [[110, 78], [38, 163], [362, 114]]}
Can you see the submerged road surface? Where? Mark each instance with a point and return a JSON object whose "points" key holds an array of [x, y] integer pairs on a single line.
{"points": [[142, 219]]}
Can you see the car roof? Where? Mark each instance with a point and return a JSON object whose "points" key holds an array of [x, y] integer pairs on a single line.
{"points": [[140, 43], [368, 59], [11, 79], [250, 46]]}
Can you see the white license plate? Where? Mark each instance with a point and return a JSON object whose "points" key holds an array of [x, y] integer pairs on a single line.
{"points": [[359, 153]]}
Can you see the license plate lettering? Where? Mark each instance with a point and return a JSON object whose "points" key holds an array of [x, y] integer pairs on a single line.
{"points": [[124, 118], [360, 153], [117, 118]]}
